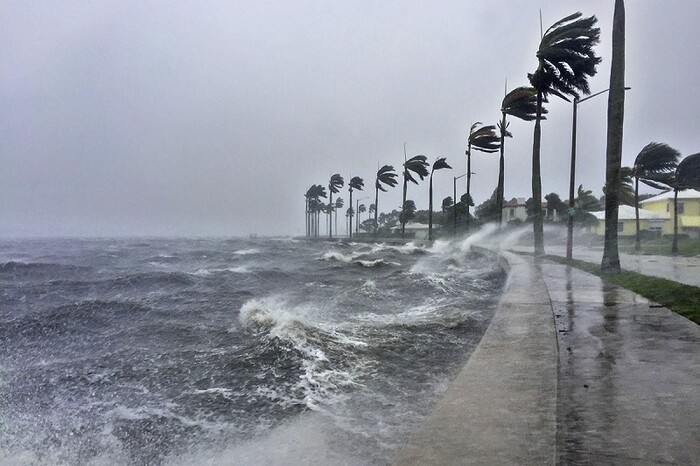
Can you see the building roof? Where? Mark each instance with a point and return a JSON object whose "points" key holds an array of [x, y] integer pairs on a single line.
{"points": [[625, 212], [685, 194]]}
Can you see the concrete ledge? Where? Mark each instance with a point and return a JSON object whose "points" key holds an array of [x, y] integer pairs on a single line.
{"points": [[501, 407]]}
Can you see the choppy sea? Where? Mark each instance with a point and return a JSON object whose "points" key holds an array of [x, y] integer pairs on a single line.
{"points": [[230, 351]]}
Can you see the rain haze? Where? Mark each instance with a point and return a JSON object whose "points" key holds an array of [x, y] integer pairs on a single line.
{"points": [[191, 119]]}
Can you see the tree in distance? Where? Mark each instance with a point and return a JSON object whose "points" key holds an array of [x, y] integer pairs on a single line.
{"points": [[521, 103], [336, 182], [356, 183], [386, 176], [439, 164], [417, 165]]}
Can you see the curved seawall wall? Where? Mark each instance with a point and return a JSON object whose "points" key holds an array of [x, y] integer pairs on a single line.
{"points": [[501, 407]]}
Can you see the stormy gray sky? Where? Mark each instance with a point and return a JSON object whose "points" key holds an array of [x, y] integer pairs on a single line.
{"points": [[212, 118]]}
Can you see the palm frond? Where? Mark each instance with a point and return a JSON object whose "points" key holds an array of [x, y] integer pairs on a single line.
{"points": [[417, 165], [336, 183], [521, 103], [440, 164], [484, 139], [386, 176], [567, 57], [654, 159], [356, 183], [688, 172]]}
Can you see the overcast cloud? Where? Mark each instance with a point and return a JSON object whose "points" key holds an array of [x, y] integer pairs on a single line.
{"points": [[212, 118]]}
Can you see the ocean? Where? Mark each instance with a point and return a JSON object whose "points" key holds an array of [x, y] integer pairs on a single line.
{"points": [[230, 351]]}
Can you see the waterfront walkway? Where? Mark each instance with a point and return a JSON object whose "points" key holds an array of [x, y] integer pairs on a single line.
{"points": [[571, 371]]}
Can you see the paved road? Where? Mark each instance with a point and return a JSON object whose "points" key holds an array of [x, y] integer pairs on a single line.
{"points": [[681, 269]]}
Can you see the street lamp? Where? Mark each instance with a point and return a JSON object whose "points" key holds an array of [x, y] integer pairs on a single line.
{"points": [[571, 210], [454, 204]]}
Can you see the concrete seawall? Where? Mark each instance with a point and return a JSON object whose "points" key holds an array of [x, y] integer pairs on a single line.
{"points": [[501, 407]]}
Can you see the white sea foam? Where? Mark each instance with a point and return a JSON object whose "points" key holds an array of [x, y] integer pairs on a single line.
{"points": [[337, 256], [376, 263], [247, 252], [206, 272]]}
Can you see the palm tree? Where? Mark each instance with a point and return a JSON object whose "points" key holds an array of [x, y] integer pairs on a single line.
{"points": [[687, 176], [361, 208], [336, 182], [419, 166], [653, 163], [355, 183], [481, 138], [439, 164], [408, 212], [338, 205], [313, 207], [521, 103], [385, 176], [566, 60], [613, 151]]}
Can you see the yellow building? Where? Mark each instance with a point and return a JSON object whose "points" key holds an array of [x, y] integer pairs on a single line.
{"points": [[626, 221], [688, 211]]}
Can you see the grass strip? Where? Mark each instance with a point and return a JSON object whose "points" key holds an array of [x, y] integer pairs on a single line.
{"points": [[678, 297]]}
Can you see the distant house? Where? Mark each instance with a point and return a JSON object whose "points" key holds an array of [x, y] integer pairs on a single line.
{"points": [[515, 209], [688, 211], [626, 221], [418, 230]]}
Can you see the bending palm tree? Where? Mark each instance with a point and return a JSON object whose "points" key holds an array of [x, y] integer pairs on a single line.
{"points": [[653, 163], [419, 166], [385, 176], [336, 182], [483, 139], [687, 176], [355, 183], [360, 209], [566, 61], [521, 103], [438, 165]]}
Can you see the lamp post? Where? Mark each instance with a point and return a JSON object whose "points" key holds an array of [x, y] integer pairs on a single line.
{"points": [[454, 203], [571, 210]]}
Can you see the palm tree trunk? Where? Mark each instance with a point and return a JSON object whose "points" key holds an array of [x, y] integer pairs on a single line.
{"points": [[403, 204], [350, 217], [501, 172], [637, 237], [469, 177], [537, 227], [376, 208], [572, 186], [330, 213], [430, 209], [674, 247], [613, 153]]}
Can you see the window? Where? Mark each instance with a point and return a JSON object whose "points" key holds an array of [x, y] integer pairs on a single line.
{"points": [[512, 213], [620, 226], [681, 208]]}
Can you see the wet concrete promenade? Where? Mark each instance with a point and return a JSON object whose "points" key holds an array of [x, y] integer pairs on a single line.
{"points": [[571, 371]]}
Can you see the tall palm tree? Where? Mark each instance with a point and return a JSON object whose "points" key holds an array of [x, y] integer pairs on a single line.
{"points": [[336, 182], [613, 150], [653, 163], [385, 176], [314, 206], [687, 176], [355, 183], [439, 164], [481, 138], [419, 166], [566, 60], [521, 103]]}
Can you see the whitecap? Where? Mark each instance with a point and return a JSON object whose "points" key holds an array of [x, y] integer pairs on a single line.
{"points": [[247, 252]]}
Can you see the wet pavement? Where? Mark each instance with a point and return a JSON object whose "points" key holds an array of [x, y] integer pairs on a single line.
{"points": [[677, 268], [629, 375], [571, 371]]}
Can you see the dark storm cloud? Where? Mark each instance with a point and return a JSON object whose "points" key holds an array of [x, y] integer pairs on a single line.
{"points": [[183, 118]]}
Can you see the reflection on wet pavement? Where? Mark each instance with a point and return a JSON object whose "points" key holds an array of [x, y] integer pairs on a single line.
{"points": [[629, 375]]}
